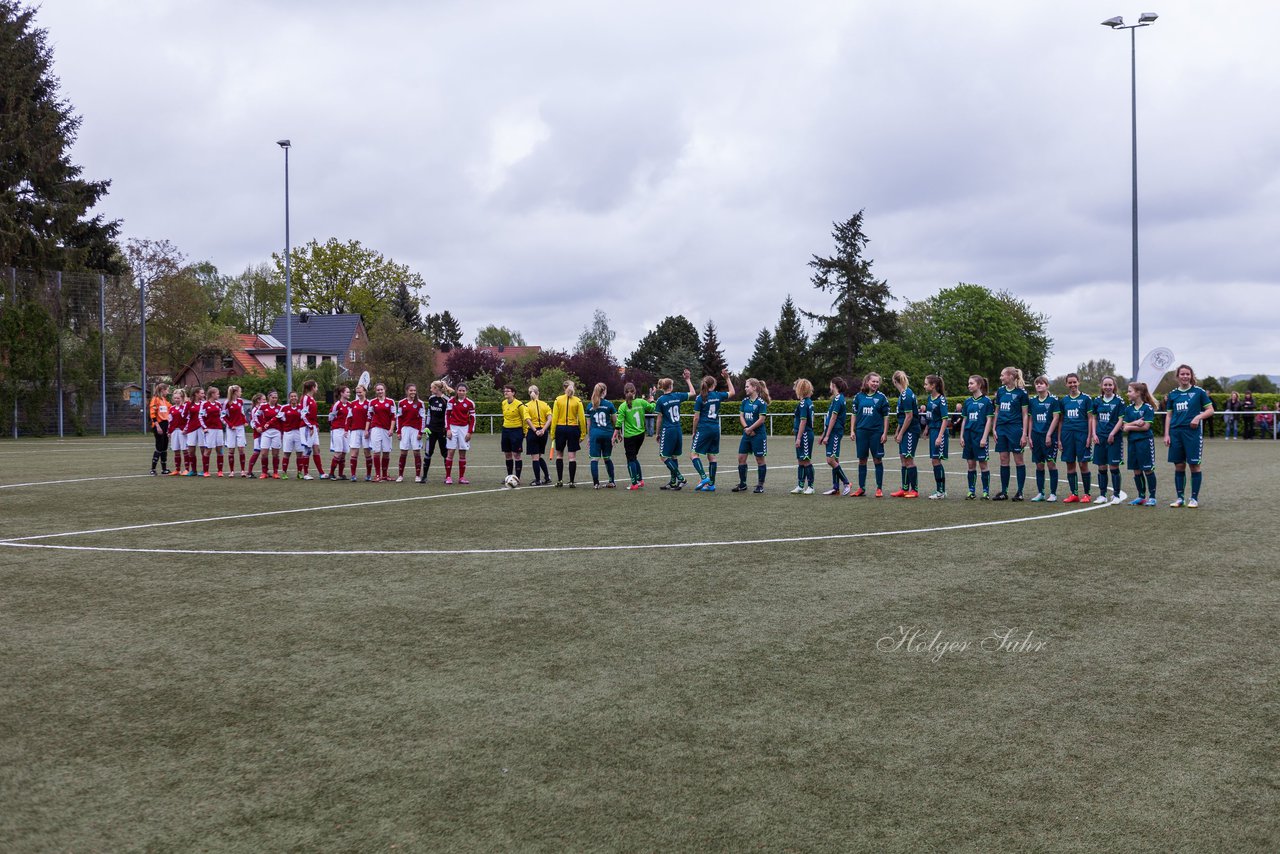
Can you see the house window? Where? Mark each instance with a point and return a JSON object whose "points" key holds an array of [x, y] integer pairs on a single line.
{"points": [[208, 363], [326, 359], [311, 361], [353, 357], [279, 361]]}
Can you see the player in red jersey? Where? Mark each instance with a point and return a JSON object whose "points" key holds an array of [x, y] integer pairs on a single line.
{"points": [[411, 419], [254, 412], [177, 431], [460, 421], [272, 437], [358, 432], [290, 418], [338, 415], [311, 425], [194, 438], [233, 417], [382, 421], [211, 427]]}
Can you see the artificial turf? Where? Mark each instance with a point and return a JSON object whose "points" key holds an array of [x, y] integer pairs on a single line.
{"points": [[693, 697]]}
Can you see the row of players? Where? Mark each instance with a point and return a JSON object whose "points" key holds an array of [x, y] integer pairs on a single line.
{"points": [[1081, 428]]}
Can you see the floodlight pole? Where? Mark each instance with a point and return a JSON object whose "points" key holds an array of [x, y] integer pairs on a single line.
{"points": [[288, 279], [1145, 20]]}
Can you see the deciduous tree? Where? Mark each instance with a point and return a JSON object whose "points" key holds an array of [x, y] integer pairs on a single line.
{"points": [[343, 278], [673, 333], [498, 336]]}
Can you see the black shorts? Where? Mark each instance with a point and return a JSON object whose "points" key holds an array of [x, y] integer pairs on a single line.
{"points": [[631, 445], [568, 439], [535, 445], [512, 439]]}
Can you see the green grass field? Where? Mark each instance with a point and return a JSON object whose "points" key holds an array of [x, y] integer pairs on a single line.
{"points": [[188, 680]]}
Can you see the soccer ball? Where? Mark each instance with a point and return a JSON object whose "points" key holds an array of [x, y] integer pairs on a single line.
{"points": [[511, 481]]}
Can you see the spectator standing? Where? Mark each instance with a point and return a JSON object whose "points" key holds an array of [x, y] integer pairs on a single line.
{"points": [[1248, 406], [1230, 416]]}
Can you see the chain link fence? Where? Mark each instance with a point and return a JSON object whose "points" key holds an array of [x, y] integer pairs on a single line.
{"points": [[71, 354]]}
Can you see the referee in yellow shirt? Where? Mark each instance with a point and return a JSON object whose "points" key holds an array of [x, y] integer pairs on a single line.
{"points": [[537, 422], [568, 423], [513, 419]]}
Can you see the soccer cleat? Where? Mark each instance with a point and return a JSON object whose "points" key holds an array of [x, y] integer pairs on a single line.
{"points": [[986, 496], [832, 491], [846, 489], [1017, 496], [1140, 501], [1000, 496], [263, 476], [633, 487], [808, 490], [799, 490], [573, 485], [1071, 499], [938, 495], [640, 483], [911, 493], [307, 477], [154, 472], [759, 488], [1052, 497], [1085, 499], [324, 476], [613, 485], [1115, 499], [206, 474], [463, 480], [670, 485], [879, 492], [898, 493], [220, 474], [1039, 496], [1193, 503], [858, 493], [174, 473], [595, 486], [275, 476], [710, 487], [1178, 502], [400, 478], [970, 496], [368, 479], [742, 487], [702, 484], [448, 480], [245, 474], [1150, 502]]}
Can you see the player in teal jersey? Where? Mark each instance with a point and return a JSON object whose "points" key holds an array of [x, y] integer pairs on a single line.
{"points": [[1139, 416], [602, 430], [1046, 418], [670, 433], [907, 435], [1013, 429], [706, 428], [802, 427], [1073, 438], [754, 433], [631, 418], [979, 417], [870, 430], [939, 417], [1187, 408], [1105, 417], [833, 433]]}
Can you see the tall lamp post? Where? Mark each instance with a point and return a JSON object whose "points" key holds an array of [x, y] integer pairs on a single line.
{"points": [[1146, 19], [288, 278]]}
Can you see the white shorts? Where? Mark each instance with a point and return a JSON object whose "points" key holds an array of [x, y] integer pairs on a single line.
{"points": [[337, 441], [357, 439], [235, 437], [211, 438], [311, 436], [293, 442], [257, 443], [178, 440], [270, 440], [380, 440], [410, 439], [457, 440], [194, 438]]}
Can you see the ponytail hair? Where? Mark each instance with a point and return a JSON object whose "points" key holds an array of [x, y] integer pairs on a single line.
{"points": [[900, 379], [233, 392], [1018, 380], [568, 388], [866, 382], [762, 388], [708, 384], [598, 393], [936, 382], [1144, 393], [665, 385], [981, 381], [841, 384], [629, 391]]}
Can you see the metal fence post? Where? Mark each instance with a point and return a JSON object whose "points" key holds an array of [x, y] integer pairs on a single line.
{"points": [[102, 341], [58, 280], [142, 319]]}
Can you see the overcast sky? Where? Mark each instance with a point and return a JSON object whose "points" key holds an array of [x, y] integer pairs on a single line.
{"points": [[534, 161]]}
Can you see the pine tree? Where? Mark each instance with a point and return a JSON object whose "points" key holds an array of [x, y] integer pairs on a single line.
{"points": [[673, 333], [793, 359], [43, 198], [404, 308], [859, 306], [710, 355], [764, 359]]}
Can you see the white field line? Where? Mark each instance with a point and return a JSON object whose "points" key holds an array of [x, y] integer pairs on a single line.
{"points": [[73, 480], [23, 542]]}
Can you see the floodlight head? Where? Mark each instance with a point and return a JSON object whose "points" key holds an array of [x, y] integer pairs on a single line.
{"points": [[1147, 18], [283, 143], [1117, 21]]}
